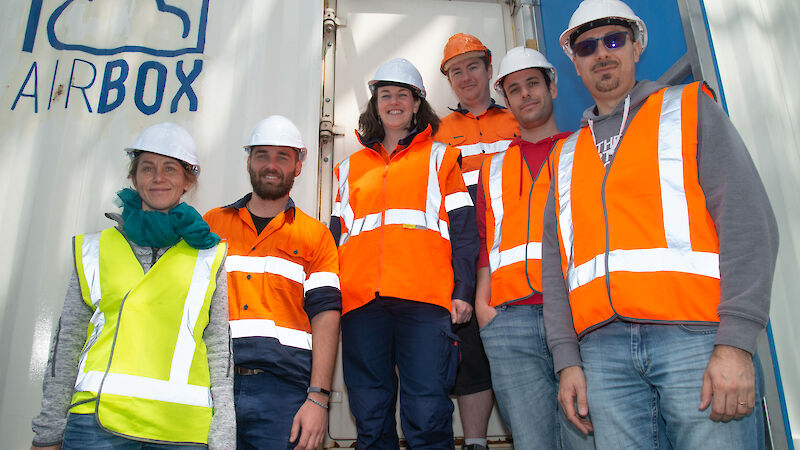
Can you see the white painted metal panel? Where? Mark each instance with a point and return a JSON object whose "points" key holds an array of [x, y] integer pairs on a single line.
{"points": [[374, 32], [64, 120], [757, 46]]}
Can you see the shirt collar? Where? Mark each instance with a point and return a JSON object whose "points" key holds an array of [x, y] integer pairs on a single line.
{"points": [[242, 203], [461, 110]]}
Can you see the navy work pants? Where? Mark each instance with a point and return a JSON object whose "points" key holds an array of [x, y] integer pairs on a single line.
{"points": [[417, 339], [265, 408]]}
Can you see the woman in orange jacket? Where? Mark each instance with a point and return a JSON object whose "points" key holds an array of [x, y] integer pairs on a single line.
{"points": [[405, 226]]}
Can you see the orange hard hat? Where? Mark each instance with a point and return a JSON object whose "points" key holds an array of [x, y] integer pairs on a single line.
{"points": [[461, 43]]}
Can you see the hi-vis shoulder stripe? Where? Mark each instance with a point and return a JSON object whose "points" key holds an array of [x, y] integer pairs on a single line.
{"points": [[471, 177], [266, 264], [678, 256], [90, 254], [267, 328], [410, 218], [283, 267], [176, 389], [483, 147], [142, 387]]}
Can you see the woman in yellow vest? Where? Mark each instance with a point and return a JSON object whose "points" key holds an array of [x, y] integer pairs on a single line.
{"points": [[141, 357], [407, 237]]}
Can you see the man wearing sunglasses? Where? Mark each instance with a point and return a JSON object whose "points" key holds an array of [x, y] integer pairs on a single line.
{"points": [[659, 248]]}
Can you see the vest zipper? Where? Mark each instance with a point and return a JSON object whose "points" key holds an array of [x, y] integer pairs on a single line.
{"points": [[383, 221]]}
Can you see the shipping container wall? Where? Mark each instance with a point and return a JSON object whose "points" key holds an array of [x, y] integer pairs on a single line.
{"points": [[757, 48], [78, 81]]}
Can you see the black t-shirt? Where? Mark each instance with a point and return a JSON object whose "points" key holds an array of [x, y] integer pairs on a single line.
{"points": [[260, 222]]}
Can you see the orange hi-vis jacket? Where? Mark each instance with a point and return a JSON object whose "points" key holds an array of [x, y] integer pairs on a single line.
{"points": [[477, 137], [515, 197], [395, 239], [273, 274], [636, 239]]}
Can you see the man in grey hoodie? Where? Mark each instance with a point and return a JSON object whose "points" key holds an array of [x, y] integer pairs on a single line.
{"points": [[656, 274]]}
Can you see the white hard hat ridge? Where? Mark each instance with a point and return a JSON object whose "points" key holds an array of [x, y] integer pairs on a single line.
{"points": [[168, 139], [398, 70], [520, 58], [278, 131], [595, 10]]}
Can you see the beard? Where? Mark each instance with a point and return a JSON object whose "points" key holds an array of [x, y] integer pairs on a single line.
{"points": [[268, 191], [607, 82]]}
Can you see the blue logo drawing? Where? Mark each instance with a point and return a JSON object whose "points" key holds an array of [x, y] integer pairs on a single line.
{"points": [[161, 5]]}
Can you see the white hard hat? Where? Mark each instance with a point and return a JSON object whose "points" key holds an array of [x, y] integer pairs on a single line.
{"points": [[168, 139], [398, 70], [519, 58], [279, 131], [613, 11]]}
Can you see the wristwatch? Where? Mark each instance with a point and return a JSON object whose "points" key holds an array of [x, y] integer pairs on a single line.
{"points": [[319, 390]]}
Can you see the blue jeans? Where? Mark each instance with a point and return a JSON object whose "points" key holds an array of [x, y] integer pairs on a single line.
{"points": [[640, 374], [524, 383], [416, 338], [83, 433], [265, 408]]}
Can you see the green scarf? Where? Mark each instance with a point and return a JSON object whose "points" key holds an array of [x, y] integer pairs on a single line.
{"points": [[158, 229]]}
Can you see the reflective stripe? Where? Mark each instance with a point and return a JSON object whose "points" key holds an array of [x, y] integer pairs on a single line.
{"points": [[192, 307], [368, 223], [565, 161], [99, 321], [483, 147], [321, 279], [496, 196], [434, 200], [646, 260], [267, 328], [90, 259], [266, 264], [670, 169], [471, 177], [146, 388], [457, 200], [90, 256], [345, 210], [529, 251]]}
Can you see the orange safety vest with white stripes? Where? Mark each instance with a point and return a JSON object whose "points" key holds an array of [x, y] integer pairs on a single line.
{"points": [[270, 273], [636, 239], [515, 198], [395, 239], [477, 137]]}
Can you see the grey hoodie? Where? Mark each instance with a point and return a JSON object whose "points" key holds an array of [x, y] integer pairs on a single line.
{"points": [[62, 365], [738, 205]]}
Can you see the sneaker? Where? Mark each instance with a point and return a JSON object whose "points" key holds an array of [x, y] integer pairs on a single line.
{"points": [[474, 447]]}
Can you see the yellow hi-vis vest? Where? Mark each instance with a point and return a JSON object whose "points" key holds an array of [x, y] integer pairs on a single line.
{"points": [[144, 370]]}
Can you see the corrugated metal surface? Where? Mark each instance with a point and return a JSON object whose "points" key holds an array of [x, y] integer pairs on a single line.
{"points": [[64, 121], [757, 46]]}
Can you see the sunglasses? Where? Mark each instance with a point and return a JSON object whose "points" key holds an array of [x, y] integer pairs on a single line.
{"points": [[612, 41]]}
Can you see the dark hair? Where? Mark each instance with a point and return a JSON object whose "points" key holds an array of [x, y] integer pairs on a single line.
{"points": [[137, 157], [369, 123], [545, 74]]}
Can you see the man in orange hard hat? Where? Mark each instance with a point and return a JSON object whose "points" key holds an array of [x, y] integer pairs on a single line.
{"points": [[478, 127]]}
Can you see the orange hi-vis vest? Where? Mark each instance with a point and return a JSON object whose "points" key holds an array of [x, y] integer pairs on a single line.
{"points": [[515, 197], [395, 238], [636, 239], [270, 273], [477, 137]]}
